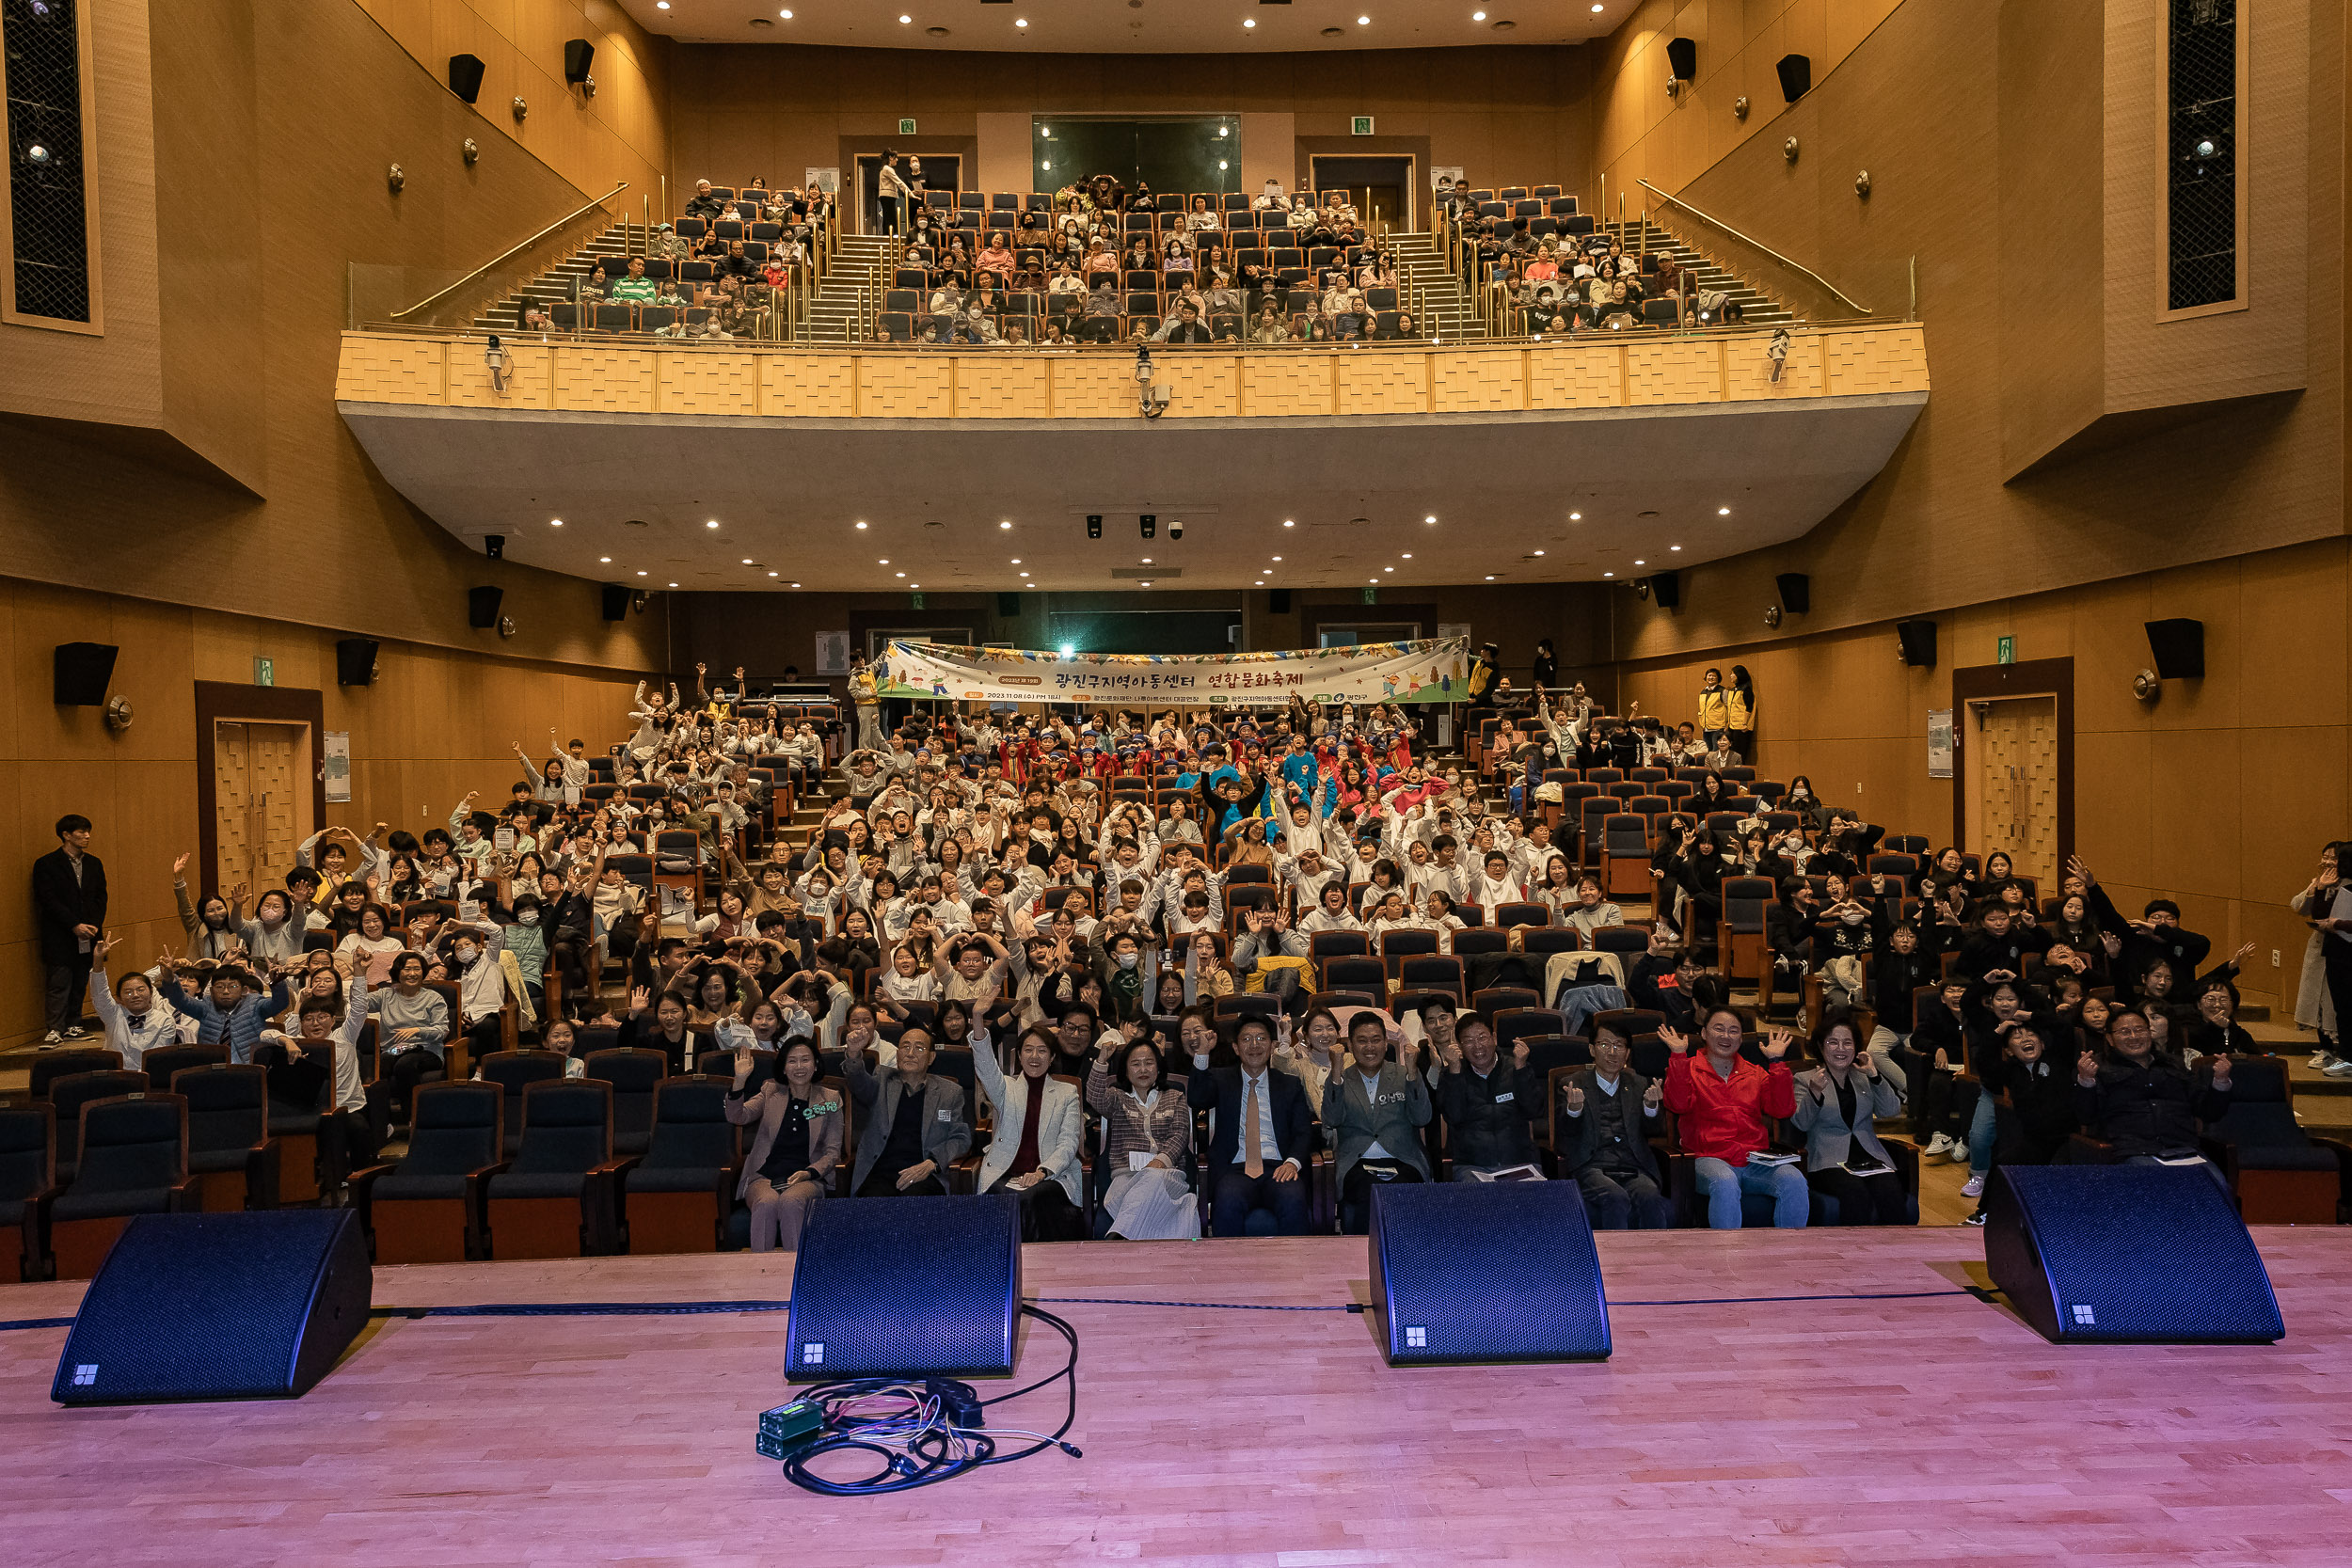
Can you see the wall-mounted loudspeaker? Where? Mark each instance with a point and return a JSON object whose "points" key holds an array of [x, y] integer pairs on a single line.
{"points": [[1796, 76], [2180, 649], [577, 53], [482, 607], [465, 77], [1918, 640], [83, 670], [1008, 604], [1665, 588], [1279, 601], [615, 602], [354, 661], [1682, 58], [1796, 592]]}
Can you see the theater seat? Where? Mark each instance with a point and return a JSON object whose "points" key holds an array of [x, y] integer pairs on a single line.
{"points": [[634, 1074], [229, 1152], [429, 1208], [557, 1197], [135, 1161], [679, 1196], [29, 1182], [2281, 1174]]}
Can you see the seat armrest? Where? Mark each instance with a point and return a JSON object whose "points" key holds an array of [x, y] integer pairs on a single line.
{"points": [[187, 1197], [35, 1224], [261, 1174]]}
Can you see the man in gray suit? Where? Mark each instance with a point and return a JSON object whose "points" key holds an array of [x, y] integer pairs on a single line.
{"points": [[914, 1124], [1612, 1111], [1372, 1113]]}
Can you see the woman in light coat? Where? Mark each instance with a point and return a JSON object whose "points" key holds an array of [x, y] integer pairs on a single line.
{"points": [[1033, 1152]]}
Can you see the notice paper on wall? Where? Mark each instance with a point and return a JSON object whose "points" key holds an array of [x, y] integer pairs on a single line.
{"points": [[1939, 743], [334, 765]]}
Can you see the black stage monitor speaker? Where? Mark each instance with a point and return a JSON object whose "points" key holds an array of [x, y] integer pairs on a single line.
{"points": [[1682, 58], [2180, 649], [1279, 601], [2137, 1255], [906, 1287], [482, 607], [465, 77], [354, 661], [615, 602], [217, 1306], [578, 53], [1796, 76], [83, 670], [1796, 592], [1918, 640], [1008, 604], [1665, 589], [1476, 1271]]}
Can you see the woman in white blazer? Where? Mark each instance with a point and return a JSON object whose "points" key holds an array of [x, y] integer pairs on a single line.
{"points": [[1033, 1151]]}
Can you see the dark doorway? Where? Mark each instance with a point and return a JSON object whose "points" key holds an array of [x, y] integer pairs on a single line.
{"points": [[1176, 156], [942, 172], [1381, 187]]}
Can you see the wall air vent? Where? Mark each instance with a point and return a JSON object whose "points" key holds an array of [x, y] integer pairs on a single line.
{"points": [[1145, 574]]}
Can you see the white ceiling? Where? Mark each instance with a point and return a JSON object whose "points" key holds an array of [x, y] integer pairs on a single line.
{"points": [[787, 494], [1130, 26]]}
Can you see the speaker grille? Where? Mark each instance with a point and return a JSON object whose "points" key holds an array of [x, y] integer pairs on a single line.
{"points": [[2133, 1255], [912, 1286], [1481, 1271], [216, 1306]]}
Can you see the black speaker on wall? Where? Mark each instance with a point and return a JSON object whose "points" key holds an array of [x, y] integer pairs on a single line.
{"points": [[1796, 592], [354, 661], [82, 672], [217, 1306], [465, 77], [615, 602], [2179, 647], [578, 53], [1279, 601], [1796, 76], [482, 607], [1665, 589], [906, 1287], [2130, 1255], [1918, 640], [1008, 604], [1682, 58], [1476, 1271]]}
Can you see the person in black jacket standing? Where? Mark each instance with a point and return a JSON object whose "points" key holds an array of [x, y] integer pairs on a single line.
{"points": [[70, 901]]}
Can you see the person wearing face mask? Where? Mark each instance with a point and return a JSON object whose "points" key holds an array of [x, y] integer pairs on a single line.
{"points": [[481, 981]]}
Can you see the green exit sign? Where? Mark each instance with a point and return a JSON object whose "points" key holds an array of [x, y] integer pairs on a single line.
{"points": [[2006, 651], [918, 600], [1359, 126], [264, 672], [906, 127], [1371, 595]]}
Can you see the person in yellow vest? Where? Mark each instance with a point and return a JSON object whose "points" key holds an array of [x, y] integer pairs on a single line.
{"points": [[1714, 706], [868, 701], [1740, 708]]}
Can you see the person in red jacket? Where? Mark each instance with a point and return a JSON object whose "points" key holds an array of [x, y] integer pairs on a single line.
{"points": [[1720, 1099]]}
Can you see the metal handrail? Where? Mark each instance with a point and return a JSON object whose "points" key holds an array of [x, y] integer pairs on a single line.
{"points": [[509, 254], [1793, 266]]}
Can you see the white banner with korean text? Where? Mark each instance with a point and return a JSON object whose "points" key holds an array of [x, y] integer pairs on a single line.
{"points": [[1423, 671]]}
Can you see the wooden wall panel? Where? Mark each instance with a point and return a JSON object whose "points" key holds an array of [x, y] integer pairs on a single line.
{"points": [[1384, 383], [703, 383], [822, 384]]}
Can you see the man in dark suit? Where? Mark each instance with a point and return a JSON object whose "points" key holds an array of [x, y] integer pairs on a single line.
{"points": [[1610, 1112], [1186, 327], [1261, 1136], [69, 899], [915, 1126]]}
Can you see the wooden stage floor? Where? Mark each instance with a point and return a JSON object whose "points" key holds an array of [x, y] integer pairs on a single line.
{"points": [[1923, 1428]]}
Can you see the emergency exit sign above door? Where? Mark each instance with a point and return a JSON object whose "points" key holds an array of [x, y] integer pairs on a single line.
{"points": [[1359, 126]]}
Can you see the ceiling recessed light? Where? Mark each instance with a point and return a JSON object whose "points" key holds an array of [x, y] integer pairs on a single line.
{"points": [[1576, 517], [1020, 22], [1024, 574], [883, 562], [661, 5], [905, 19], [605, 560], [1490, 576], [1539, 552], [747, 560], [1641, 563], [673, 585], [1371, 579], [795, 585], [1147, 560], [1722, 512], [1387, 568], [641, 574], [1007, 523], [1363, 22], [1289, 522], [1609, 574], [1430, 519], [787, 15], [1595, 12], [1016, 560], [555, 522], [775, 574], [1478, 16], [1675, 547], [713, 523], [1406, 556], [914, 585], [1147, 585], [861, 525], [1253, 21], [1278, 558]]}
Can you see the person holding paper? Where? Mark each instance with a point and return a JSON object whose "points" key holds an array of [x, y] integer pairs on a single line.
{"points": [[1487, 1102], [1836, 1103], [1147, 1131], [1723, 1100]]}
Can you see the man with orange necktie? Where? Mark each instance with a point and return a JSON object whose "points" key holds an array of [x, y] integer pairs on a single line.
{"points": [[1260, 1134]]}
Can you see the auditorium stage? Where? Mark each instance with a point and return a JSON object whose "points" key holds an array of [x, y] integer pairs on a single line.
{"points": [[1922, 1427]]}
